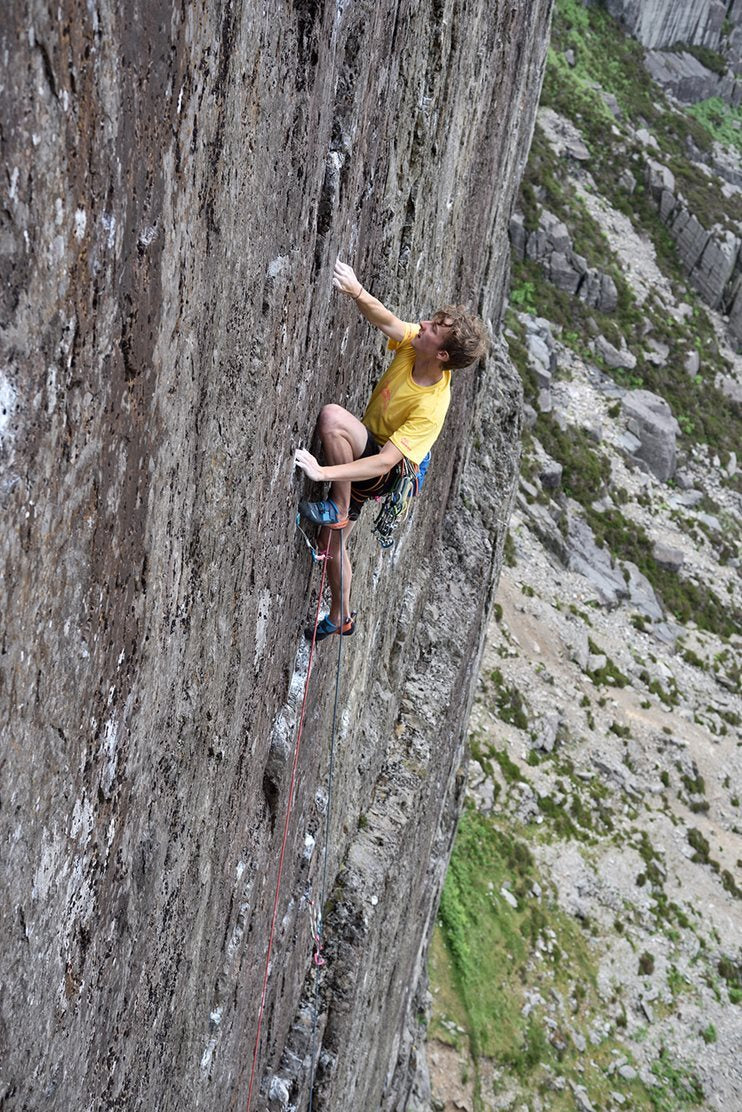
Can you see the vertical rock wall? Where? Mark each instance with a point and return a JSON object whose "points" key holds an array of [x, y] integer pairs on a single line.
{"points": [[658, 23], [177, 181]]}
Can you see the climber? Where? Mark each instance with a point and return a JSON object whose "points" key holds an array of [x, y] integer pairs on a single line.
{"points": [[402, 421]]}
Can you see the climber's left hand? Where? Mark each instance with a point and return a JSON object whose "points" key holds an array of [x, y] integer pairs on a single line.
{"points": [[306, 461]]}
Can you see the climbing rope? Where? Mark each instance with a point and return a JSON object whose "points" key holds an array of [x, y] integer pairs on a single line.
{"points": [[319, 961], [315, 911], [323, 558]]}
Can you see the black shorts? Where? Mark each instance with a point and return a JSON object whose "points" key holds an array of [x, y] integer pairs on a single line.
{"points": [[371, 488]]}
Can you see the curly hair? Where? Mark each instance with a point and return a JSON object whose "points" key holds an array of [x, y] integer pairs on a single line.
{"points": [[467, 341]]}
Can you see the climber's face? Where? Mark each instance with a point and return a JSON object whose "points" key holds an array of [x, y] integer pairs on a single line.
{"points": [[433, 336]]}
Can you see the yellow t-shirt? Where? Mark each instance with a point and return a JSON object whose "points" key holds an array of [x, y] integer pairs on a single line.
{"points": [[409, 415]]}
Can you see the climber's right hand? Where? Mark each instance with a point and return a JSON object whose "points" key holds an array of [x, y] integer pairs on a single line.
{"points": [[344, 279]]}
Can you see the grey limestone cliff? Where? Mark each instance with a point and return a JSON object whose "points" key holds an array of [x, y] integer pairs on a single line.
{"points": [[177, 181], [658, 23]]}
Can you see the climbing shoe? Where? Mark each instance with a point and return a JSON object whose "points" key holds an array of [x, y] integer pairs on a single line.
{"points": [[323, 513], [326, 628]]}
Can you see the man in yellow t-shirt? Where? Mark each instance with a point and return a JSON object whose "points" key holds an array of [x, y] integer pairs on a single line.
{"points": [[402, 422]]}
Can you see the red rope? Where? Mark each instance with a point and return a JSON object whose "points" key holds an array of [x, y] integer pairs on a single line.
{"points": [[325, 556]]}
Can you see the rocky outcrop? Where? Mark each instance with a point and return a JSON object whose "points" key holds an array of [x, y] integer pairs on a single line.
{"points": [[651, 421], [658, 23], [711, 258], [688, 80], [550, 245], [178, 184]]}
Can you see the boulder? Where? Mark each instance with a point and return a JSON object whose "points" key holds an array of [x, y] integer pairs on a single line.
{"points": [[658, 352], [518, 235], [546, 731], [688, 80], [577, 646], [599, 291], [586, 558], [667, 203], [646, 139], [668, 557], [612, 104], [716, 266], [650, 419], [562, 272], [575, 148], [550, 473], [614, 357], [543, 401], [641, 594], [542, 523], [537, 245], [627, 181], [690, 236], [692, 363], [659, 178], [556, 231], [550, 245], [541, 359], [628, 444]]}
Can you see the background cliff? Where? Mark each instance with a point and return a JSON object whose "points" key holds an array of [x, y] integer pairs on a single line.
{"points": [[589, 947], [177, 183]]}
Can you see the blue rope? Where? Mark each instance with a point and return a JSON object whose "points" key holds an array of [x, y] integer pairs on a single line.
{"points": [[315, 1008]]}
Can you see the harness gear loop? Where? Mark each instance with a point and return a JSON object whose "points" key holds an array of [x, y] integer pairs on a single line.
{"points": [[396, 505]]}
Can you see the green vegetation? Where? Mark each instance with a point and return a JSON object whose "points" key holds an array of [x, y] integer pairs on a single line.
{"points": [[604, 55], [730, 971], [711, 59], [610, 672], [720, 120], [486, 954], [509, 702], [586, 470], [688, 601], [509, 768], [677, 1085]]}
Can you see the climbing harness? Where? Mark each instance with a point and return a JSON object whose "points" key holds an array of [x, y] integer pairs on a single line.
{"points": [[396, 504], [315, 911]]}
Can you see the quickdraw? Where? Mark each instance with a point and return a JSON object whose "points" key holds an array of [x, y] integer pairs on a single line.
{"points": [[396, 505], [315, 916]]}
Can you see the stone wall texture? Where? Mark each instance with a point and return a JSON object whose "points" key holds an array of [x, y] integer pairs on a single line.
{"points": [[658, 23], [177, 182]]}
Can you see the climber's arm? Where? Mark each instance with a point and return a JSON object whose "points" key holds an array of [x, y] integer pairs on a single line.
{"points": [[344, 279], [357, 471]]}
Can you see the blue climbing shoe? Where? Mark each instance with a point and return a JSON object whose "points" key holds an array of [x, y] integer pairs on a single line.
{"points": [[322, 513], [326, 628]]}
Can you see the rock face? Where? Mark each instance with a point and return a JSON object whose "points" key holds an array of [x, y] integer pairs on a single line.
{"points": [[712, 259], [658, 23], [178, 184], [687, 79], [650, 419], [551, 246]]}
